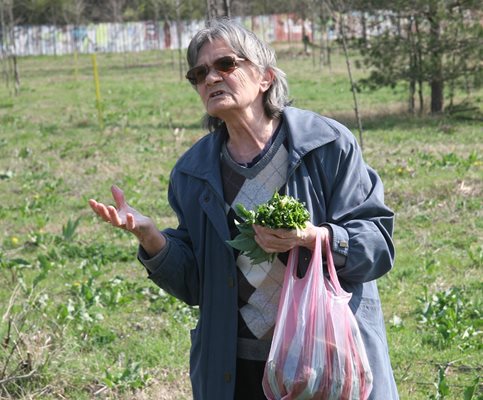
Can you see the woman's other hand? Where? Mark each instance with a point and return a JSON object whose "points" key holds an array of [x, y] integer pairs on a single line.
{"points": [[282, 240], [126, 217]]}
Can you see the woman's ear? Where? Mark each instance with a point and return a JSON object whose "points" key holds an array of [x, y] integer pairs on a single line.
{"points": [[267, 79]]}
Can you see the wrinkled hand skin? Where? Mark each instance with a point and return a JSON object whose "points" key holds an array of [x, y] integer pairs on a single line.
{"points": [[282, 240], [126, 217]]}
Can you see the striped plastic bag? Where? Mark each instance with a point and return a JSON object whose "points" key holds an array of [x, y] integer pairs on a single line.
{"points": [[317, 352]]}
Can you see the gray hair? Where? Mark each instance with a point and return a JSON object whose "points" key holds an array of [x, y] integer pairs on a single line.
{"points": [[246, 45]]}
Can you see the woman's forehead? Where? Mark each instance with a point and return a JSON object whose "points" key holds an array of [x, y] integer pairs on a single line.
{"points": [[214, 49]]}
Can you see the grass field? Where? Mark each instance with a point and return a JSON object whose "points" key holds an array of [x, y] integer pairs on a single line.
{"points": [[79, 318]]}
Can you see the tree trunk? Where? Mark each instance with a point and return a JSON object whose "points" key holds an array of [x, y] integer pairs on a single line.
{"points": [[437, 90], [179, 36], [9, 53], [217, 9], [436, 79], [364, 28], [419, 63], [353, 86], [412, 91], [412, 66]]}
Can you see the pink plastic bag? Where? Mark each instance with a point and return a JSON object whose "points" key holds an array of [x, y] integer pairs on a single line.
{"points": [[317, 350]]}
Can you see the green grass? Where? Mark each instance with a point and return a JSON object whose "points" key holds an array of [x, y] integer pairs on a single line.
{"points": [[81, 320]]}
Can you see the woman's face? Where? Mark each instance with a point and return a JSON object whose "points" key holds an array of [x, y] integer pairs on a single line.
{"points": [[225, 95]]}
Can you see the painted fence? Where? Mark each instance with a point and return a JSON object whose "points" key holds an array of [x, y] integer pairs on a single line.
{"points": [[137, 36], [152, 35]]}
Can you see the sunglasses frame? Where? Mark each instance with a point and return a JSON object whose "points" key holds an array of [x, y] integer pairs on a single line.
{"points": [[197, 75]]}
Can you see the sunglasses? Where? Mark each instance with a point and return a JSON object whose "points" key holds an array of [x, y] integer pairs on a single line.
{"points": [[225, 65]]}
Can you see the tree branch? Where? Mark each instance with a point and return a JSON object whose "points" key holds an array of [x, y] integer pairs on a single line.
{"points": [[17, 377]]}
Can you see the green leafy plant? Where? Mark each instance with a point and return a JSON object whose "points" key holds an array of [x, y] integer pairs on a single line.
{"points": [[449, 315], [442, 388], [471, 392], [130, 377], [280, 212], [69, 229]]}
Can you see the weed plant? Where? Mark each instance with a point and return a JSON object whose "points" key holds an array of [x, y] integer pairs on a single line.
{"points": [[80, 320]]}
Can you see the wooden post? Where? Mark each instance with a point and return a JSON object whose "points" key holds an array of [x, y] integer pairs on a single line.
{"points": [[98, 91]]}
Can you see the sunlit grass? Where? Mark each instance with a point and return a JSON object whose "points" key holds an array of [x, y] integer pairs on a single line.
{"points": [[82, 297]]}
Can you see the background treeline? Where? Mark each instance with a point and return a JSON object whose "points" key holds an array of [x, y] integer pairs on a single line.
{"points": [[433, 44], [81, 11]]}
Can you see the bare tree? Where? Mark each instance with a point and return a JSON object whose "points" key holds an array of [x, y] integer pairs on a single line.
{"points": [[178, 31], [116, 8], [8, 53], [217, 8], [339, 9], [78, 9], [351, 79]]}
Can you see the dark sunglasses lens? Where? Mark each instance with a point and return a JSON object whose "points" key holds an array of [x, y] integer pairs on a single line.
{"points": [[225, 64], [197, 74]]}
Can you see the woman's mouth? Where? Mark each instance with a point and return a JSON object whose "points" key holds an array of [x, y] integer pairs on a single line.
{"points": [[215, 94]]}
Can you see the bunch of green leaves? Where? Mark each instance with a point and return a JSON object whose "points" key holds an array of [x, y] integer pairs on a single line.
{"points": [[280, 212]]}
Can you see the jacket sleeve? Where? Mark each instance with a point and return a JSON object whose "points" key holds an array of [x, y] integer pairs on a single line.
{"points": [[361, 223], [174, 269]]}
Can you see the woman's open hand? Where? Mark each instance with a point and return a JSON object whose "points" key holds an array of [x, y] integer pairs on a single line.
{"points": [[123, 215], [126, 217]]}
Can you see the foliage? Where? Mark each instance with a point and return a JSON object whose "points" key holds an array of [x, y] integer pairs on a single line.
{"points": [[130, 377], [448, 315], [279, 212], [82, 11], [431, 42], [443, 389]]}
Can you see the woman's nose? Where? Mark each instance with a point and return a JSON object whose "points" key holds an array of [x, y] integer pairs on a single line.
{"points": [[213, 76]]}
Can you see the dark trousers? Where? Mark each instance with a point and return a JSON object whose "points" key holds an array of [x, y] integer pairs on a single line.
{"points": [[249, 375]]}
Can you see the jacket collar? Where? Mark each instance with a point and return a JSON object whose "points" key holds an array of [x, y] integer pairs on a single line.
{"points": [[306, 131]]}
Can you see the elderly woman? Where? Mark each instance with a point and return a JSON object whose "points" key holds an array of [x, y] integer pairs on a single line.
{"points": [[257, 145]]}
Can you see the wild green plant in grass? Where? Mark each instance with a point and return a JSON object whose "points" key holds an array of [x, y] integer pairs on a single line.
{"points": [[88, 300], [443, 389], [473, 391], [161, 302], [12, 267], [476, 256], [69, 229], [27, 349], [448, 160], [447, 316], [127, 377]]}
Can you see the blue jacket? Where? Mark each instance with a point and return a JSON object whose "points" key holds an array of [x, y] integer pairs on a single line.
{"points": [[327, 172]]}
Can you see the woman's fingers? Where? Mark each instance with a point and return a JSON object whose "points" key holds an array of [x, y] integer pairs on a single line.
{"points": [[275, 240], [281, 240], [130, 222], [121, 215], [93, 205], [118, 196], [114, 217], [100, 209]]}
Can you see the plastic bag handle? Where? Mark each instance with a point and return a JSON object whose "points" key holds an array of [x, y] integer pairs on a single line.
{"points": [[331, 267], [293, 258]]}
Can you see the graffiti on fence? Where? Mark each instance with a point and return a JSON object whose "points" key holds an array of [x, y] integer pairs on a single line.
{"points": [[159, 35], [138, 36]]}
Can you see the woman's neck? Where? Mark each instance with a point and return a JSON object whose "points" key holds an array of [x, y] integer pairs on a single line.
{"points": [[247, 138]]}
